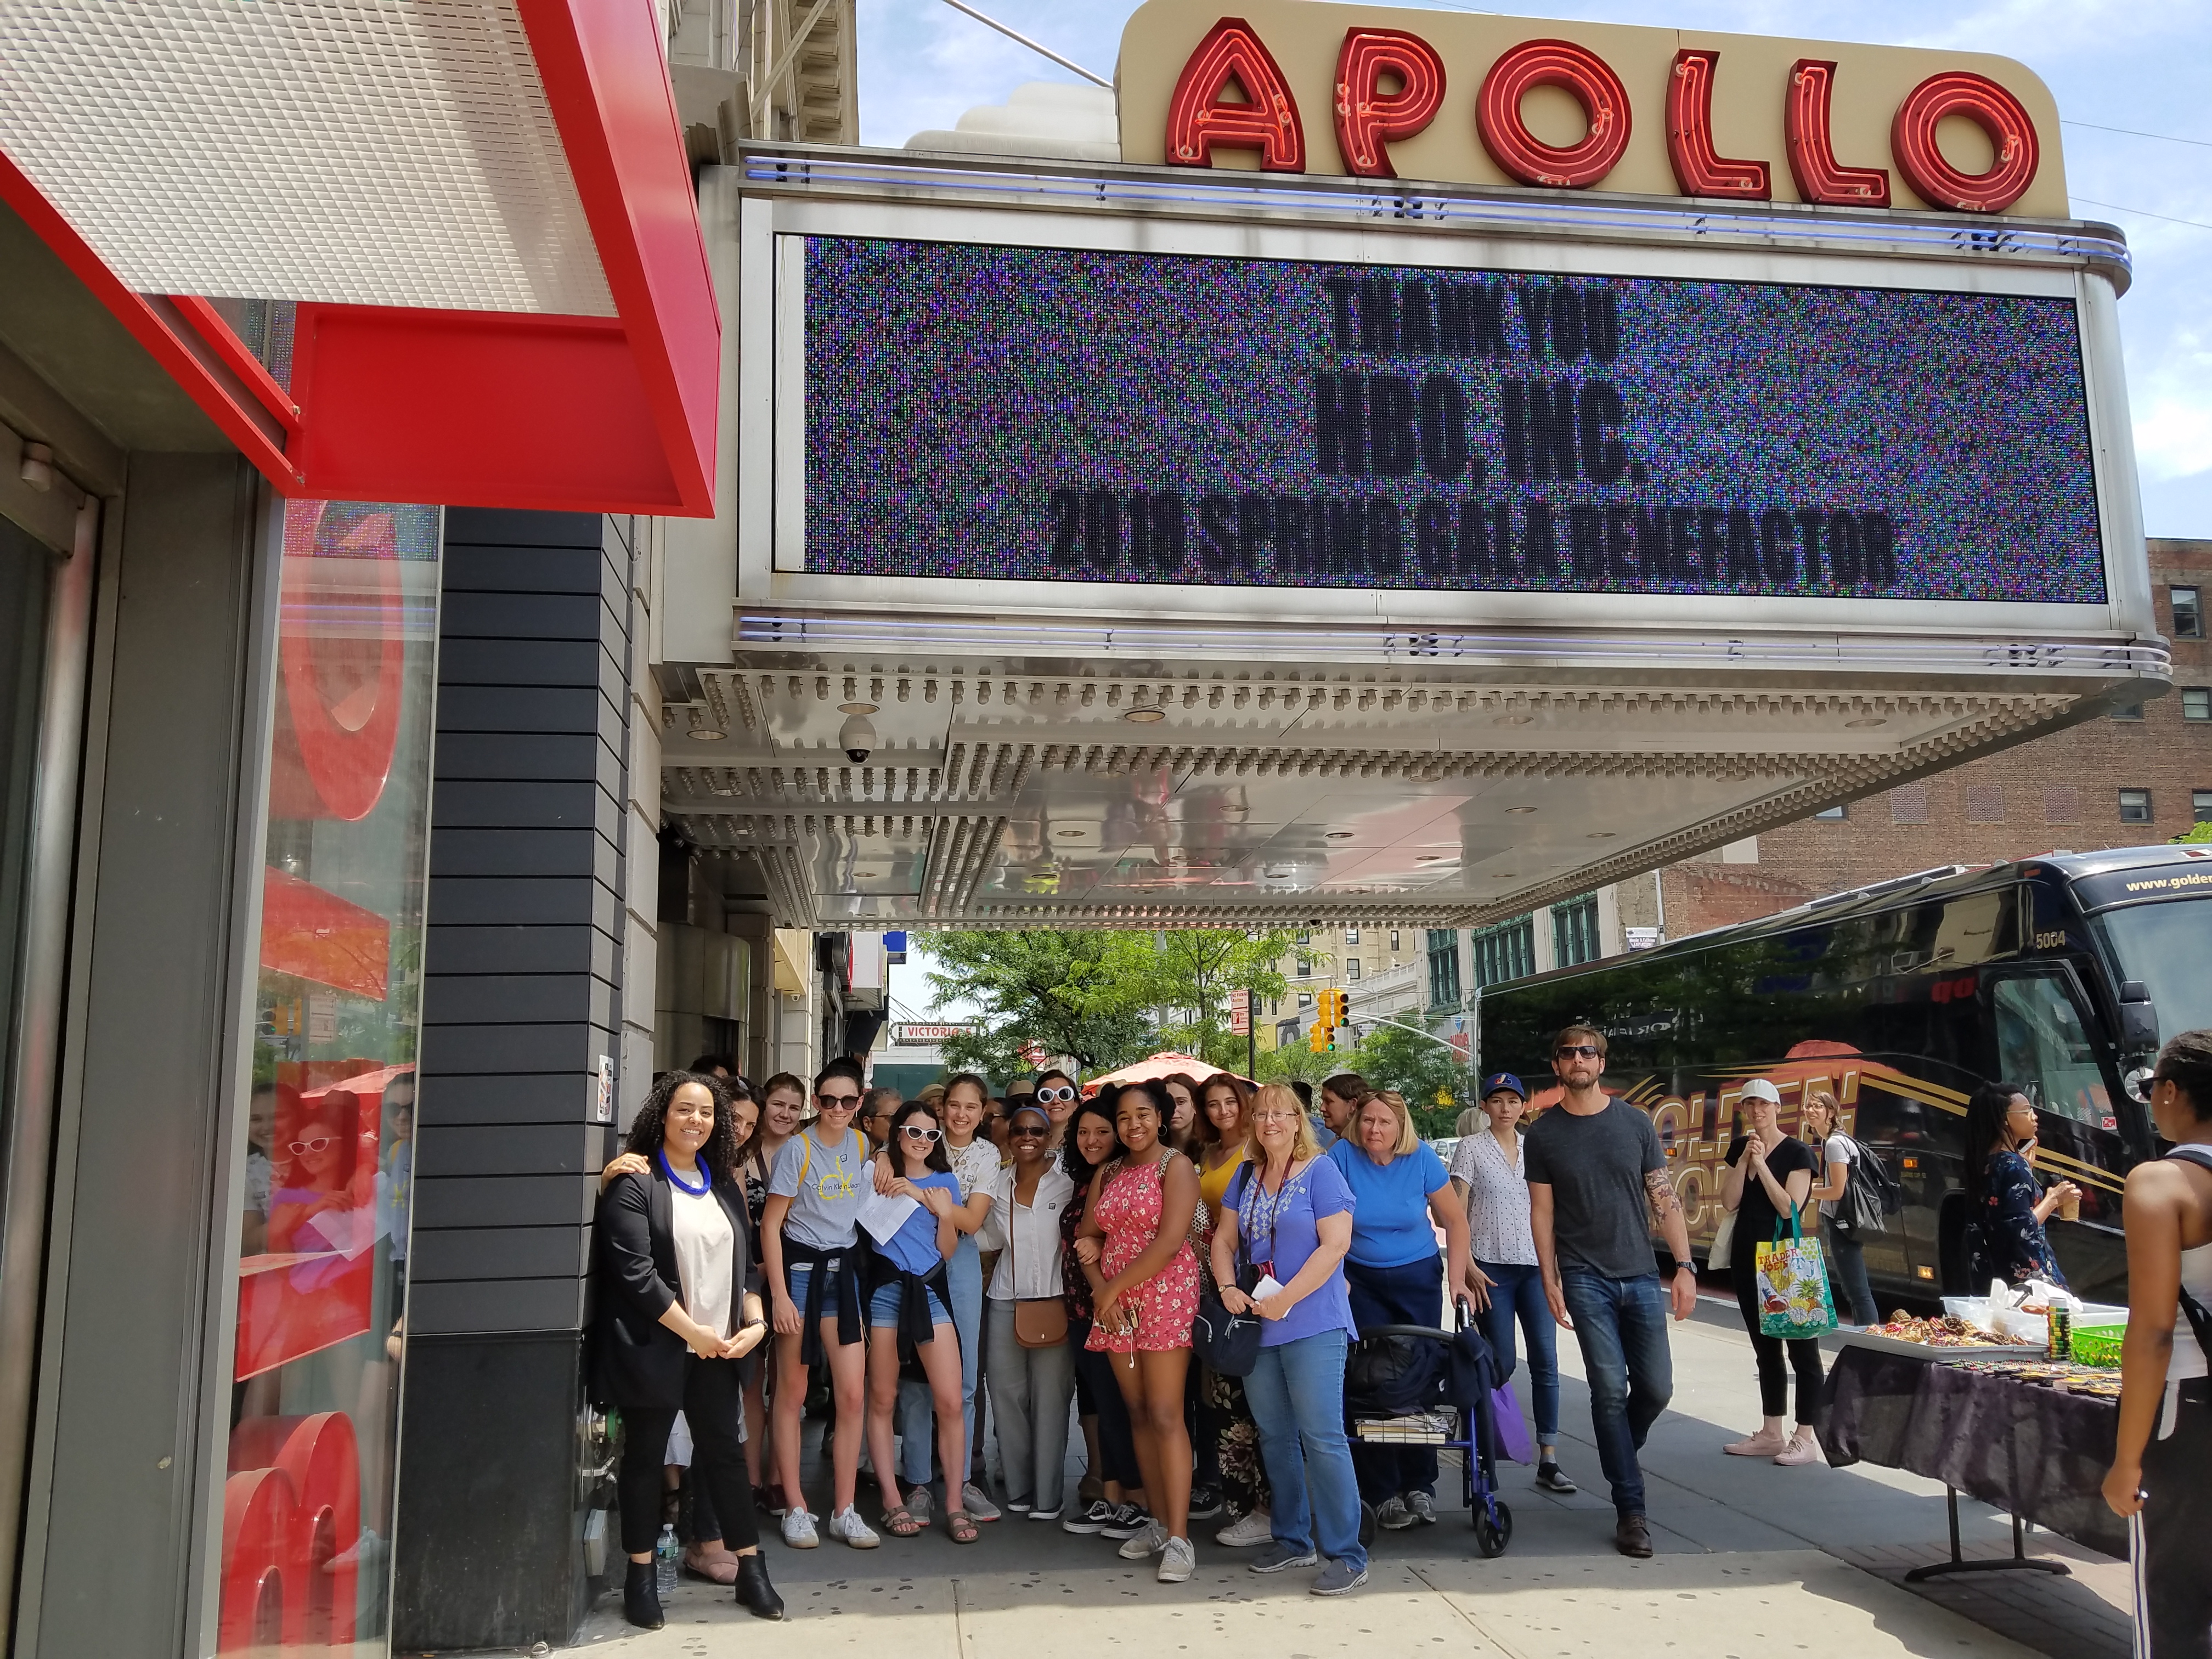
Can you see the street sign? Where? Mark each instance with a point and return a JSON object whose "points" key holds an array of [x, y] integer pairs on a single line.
{"points": [[1641, 939], [913, 1032], [1240, 1012]]}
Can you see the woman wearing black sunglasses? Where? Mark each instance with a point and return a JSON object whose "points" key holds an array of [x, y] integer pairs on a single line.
{"points": [[1032, 1373]]}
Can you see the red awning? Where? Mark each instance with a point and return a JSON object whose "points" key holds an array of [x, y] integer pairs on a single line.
{"points": [[484, 217]]}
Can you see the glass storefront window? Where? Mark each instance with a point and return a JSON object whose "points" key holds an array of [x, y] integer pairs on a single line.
{"points": [[322, 1242]]}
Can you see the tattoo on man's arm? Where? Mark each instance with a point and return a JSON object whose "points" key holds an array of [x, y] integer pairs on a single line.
{"points": [[1659, 1191]]}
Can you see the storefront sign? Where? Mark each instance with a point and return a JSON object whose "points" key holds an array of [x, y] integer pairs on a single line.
{"points": [[993, 412], [917, 1035], [1293, 86]]}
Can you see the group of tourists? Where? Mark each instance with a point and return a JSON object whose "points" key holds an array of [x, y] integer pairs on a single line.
{"points": [[1056, 1247]]}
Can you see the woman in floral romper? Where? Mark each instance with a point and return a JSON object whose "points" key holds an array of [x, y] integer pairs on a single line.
{"points": [[1134, 1245]]}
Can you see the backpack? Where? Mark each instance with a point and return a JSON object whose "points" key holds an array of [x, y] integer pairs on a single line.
{"points": [[1873, 1192]]}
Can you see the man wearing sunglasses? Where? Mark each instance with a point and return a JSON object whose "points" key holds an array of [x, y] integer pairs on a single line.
{"points": [[1597, 1182]]}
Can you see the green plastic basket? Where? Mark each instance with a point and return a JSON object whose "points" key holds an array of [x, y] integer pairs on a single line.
{"points": [[2098, 1345]]}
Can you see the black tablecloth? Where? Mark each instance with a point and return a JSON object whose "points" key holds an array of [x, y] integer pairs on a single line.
{"points": [[2032, 1451]]}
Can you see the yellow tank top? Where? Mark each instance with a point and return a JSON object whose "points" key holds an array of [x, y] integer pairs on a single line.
{"points": [[1214, 1184]]}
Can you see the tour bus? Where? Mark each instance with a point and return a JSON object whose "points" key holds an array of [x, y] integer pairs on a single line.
{"points": [[2057, 974]]}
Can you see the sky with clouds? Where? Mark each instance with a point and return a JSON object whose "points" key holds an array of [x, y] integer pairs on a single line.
{"points": [[2142, 65]]}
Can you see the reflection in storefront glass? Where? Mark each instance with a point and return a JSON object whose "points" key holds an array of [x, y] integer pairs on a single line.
{"points": [[322, 1240]]}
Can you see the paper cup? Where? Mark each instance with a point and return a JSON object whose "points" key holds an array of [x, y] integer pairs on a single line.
{"points": [[2069, 1207]]}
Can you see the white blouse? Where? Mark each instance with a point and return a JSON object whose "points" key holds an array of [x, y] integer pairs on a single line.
{"points": [[1497, 1200], [706, 1256], [1031, 1268], [976, 1164]]}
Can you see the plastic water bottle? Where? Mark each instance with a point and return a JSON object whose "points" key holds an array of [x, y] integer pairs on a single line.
{"points": [[664, 1554]]}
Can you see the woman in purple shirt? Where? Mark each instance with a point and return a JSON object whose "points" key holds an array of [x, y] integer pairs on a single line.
{"points": [[1290, 1209]]}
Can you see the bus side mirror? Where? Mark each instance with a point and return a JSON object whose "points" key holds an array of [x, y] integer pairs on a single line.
{"points": [[2138, 1019]]}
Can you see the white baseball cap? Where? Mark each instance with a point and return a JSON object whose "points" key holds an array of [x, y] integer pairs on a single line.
{"points": [[1760, 1088]]}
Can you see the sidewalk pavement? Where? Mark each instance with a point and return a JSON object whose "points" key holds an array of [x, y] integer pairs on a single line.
{"points": [[1752, 1559]]}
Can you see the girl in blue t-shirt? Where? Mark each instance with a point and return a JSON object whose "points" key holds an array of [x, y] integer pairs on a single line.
{"points": [[1396, 1275], [907, 1302]]}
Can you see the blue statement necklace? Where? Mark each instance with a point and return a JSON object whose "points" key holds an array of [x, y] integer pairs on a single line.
{"points": [[706, 1181]]}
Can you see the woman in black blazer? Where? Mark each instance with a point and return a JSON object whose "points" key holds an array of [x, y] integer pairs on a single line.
{"points": [[679, 1307]]}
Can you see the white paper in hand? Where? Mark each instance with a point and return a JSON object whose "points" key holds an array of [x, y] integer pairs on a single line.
{"points": [[882, 1215], [1266, 1287]]}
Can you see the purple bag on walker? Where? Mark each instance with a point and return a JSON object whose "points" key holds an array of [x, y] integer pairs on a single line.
{"points": [[1513, 1439]]}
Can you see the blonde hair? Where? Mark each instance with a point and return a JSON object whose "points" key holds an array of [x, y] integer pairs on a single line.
{"points": [[1408, 1137], [1471, 1119], [1277, 1097]]}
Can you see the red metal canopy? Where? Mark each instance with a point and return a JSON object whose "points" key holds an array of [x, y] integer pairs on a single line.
{"points": [[518, 403]]}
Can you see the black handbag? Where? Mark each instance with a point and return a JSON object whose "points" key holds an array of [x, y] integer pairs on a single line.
{"points": [[1229, 1342]]}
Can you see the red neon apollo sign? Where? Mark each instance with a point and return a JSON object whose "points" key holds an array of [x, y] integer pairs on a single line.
{"points": [[1369, 115]]}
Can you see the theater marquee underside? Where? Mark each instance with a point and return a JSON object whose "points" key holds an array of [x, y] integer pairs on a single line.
{"points": [[1184, 547]]}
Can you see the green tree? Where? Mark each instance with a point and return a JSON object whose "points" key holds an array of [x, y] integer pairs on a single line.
{"points": [[1104, 999], [1065, 992], [2196, 834]]}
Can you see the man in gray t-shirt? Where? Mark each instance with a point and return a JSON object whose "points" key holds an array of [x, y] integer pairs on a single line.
{"points": [[1597, 1180]]}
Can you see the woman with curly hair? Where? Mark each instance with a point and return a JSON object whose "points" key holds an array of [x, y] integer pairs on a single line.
{"points": [[1134, 1245], [1229, 1447], [679, 1306]]}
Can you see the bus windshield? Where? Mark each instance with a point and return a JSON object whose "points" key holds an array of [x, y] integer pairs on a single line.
{"points": [[2168, 947]]}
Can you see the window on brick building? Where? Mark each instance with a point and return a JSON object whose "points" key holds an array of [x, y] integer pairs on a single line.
{"points": [[1351, 968], [1908, 804], [2196, 703], [2135, 807], [1505, 951], [2062, 803], [1832, 813], [1352, 936], [1394, 942], [2188, 612], [2200, 804], [2127, 711], [1574, 931], [1984, 802]]}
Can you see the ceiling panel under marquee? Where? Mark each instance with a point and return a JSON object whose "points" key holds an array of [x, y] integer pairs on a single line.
{"points": [[997, 800]]}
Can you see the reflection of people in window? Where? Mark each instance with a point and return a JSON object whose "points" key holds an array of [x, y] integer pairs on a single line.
{"points": [[327, 1189], [399, 1184], [260, 1168]]}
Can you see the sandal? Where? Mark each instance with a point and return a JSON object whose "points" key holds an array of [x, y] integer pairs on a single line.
{"points": [[961, 1525], [723, 1572], [899, 1521]]}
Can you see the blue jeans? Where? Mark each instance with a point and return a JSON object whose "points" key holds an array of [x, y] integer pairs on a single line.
{"points": [[1297, 1396], [963, 1277], [1621, 1324], [1518, 1291], [1412, 1293]]}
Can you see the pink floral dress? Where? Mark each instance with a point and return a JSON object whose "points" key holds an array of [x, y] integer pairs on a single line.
{"points": [[1129, 1214]]}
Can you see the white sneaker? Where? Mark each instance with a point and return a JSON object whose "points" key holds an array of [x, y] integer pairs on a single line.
{"points": [[847, 1525], [1257, 1528], [798, 1529], [1150, 1541], [1177, 1561]]}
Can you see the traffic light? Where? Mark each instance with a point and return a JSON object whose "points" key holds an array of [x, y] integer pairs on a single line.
{"points": [[1332, 1009], [1319, 1038]]}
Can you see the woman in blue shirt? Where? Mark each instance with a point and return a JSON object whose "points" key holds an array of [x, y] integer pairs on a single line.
{"points": [[1290, 1209], [1396, 1275], [907, 1306]]}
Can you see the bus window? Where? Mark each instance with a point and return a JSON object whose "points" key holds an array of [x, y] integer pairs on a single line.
{"points": [[2043, 1046]]}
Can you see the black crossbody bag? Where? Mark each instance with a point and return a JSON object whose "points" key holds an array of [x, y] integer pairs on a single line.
{"points": [[1229, 1342]]}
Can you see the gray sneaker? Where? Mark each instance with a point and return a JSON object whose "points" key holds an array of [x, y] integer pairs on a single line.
{"points": [[919, 1504], [1393, 1515], [978, 1505], [1278, 1557], [1177, 1561], [1150, 1541], [1339, 1578], [1423, 1506]]}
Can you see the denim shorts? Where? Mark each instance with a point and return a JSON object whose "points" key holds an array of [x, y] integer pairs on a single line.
{"points": [[884, 1307]]}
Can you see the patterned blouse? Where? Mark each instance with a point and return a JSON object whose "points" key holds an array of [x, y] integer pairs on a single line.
{"points": [[1497, 1200], [2005, 1240], [1072, 1277]]}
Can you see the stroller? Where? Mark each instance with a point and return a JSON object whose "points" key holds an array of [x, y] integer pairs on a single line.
{"points": [[1416, 1385]]}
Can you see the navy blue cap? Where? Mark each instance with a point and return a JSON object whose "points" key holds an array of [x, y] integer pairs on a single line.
{"points": [[1503, 1080]]}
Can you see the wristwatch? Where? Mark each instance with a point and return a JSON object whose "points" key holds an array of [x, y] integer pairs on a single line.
{"points": [[1683, 1266]]}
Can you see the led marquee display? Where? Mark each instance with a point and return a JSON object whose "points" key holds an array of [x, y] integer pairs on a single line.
{"points": [[1045, 413]]}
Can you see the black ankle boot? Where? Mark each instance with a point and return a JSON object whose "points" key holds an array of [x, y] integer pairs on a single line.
{"points": [[754, 1591], [641, 1597]]}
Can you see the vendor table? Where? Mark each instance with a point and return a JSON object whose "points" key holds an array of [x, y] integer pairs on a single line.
{"points": [[2036, 1452]]}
